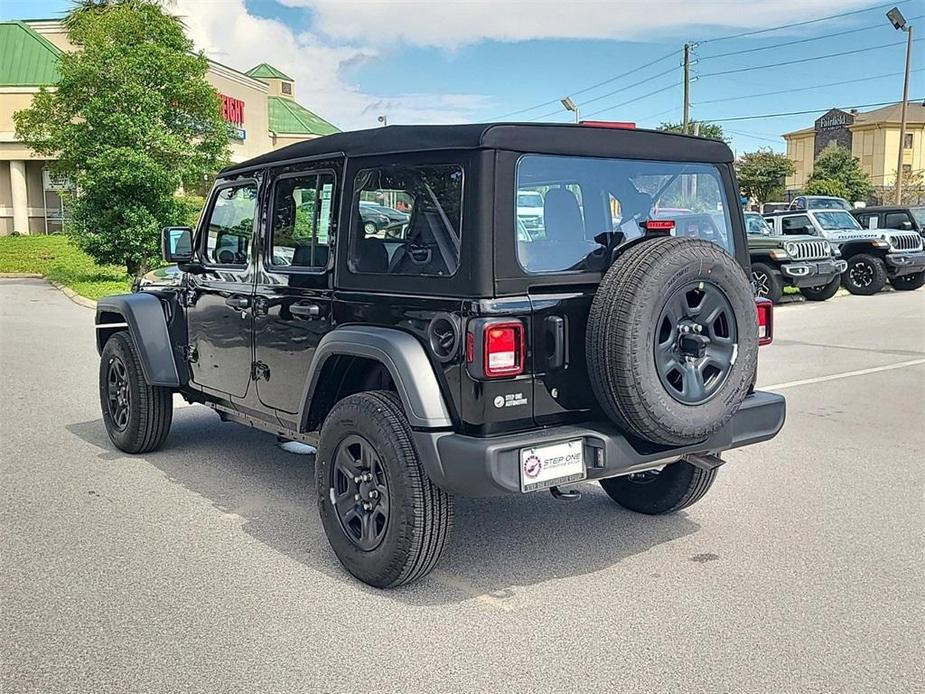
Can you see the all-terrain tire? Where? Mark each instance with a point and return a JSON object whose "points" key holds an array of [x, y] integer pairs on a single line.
{"points": [[623, 327], [670, 489], [908, 283], [144, 422], [822, 293], [768, 282], [419, 519], [865, 274]]}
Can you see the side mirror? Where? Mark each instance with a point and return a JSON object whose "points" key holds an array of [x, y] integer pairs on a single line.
{"points": [[906, 226], [809, 229], [177, 244]]}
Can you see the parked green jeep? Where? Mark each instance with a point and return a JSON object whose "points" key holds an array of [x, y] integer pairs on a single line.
{"points": [[803, 261]]}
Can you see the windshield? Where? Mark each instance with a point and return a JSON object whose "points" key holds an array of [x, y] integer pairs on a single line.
{"points": [[591, 204], [919, 214], [827, 204], [836, 219], [755, 224]]}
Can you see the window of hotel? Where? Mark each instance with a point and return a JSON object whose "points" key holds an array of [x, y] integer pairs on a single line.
{"points": [[907, 141]]}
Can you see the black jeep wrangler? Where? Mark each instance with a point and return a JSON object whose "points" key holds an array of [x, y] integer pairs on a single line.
{"points": [[458, 354]]}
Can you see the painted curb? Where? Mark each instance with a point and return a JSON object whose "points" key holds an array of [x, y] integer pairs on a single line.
{"points": [[67, 291]]}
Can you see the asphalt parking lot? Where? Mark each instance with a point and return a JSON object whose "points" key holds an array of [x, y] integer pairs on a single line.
{"points": [[203, 567]]}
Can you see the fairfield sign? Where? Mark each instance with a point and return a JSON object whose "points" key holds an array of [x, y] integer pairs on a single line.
{"points": [[233, 114]]}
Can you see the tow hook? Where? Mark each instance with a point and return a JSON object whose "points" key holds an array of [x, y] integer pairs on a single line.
{"points": [[705, 461], [570, 495]]}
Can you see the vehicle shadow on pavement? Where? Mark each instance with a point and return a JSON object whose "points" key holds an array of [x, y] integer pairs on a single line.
{"points": [[497, 545]]}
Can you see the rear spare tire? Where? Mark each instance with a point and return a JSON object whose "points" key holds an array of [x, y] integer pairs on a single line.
{"points": [[672, 340]]}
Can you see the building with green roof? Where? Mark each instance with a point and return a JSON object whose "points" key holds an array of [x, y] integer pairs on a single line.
{"points": [[259, 105]]}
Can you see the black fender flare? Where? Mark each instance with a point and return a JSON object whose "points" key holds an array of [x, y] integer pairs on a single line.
{"points": [[403, 356], [143, 316]]}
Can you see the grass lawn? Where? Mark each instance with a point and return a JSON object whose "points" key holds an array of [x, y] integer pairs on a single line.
{"points": [[58, 259]]}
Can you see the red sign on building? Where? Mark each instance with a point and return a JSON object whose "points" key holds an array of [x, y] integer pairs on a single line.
{"points": [[232, 110]]}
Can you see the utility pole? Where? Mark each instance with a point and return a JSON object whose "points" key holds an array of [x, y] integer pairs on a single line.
{"points": [[902, 119], [687, 87]]}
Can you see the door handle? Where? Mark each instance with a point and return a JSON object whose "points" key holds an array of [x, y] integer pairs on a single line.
{"points": [[239, 303], [305, 310], [555, 330]]}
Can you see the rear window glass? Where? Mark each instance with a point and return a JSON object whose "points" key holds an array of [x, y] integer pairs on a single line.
{"points": [[580, 206]]}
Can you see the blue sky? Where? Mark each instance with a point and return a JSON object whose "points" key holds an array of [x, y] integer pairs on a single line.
{"points": [[476, 60]]}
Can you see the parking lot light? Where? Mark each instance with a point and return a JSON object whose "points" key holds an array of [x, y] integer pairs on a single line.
{"points": [[571, 106], [900, 24]]}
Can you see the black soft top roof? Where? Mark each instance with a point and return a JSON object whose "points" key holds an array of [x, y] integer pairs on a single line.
{"points": [[884, 208], [541, 138]]}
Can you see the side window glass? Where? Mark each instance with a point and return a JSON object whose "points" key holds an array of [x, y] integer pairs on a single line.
{"points": [[231, 226], [301, 222], [894, 220], [407, 220], [795, 225]]}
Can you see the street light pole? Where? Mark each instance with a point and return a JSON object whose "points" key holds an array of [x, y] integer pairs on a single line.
{"points": [[902, 119], [899, 22]]}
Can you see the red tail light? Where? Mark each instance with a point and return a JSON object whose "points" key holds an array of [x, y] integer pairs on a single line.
{"points": [[504, 349], [765, 310]]}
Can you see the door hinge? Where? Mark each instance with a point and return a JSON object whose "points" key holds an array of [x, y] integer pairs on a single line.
{"points": [[260, 370], [190, 353]]}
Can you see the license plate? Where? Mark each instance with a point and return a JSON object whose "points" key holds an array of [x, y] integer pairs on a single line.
{"points": [[825, 267], [547, 466]]}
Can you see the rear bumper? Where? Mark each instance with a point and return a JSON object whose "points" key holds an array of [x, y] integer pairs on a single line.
{"points": [[900, 264], [473, 466], [813, 273]]}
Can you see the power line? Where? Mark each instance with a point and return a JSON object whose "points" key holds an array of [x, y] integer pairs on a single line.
{"points": [[804, 23], [807, 60], [754, 136], [615, 91], [590, 88], [801, 89], [799, 41], [638, 98], [802, 113]]}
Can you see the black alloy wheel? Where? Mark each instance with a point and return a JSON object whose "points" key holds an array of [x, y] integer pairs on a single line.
{"points": [[761, 284], [119, 398], [768, 282], [360, 493], [865, 275], [386, 521], [862, 274], [695, 345], [136, 415]]}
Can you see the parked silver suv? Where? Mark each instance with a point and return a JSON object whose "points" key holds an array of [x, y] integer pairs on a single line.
{"points": [[873, 256]]}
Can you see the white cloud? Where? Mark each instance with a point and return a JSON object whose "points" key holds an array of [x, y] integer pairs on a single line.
{"points": [[453, 23], [229, 34]]}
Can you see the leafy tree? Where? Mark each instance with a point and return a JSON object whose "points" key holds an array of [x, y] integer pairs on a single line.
{"points": [[131, 120], [835, 164], [827, 186], [711, 131], [762, 174], [913, 188]]}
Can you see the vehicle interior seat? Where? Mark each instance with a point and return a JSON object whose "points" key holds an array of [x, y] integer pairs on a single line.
{"points": [[565, 243]]}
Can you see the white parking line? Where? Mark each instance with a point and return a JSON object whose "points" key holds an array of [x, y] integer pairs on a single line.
{"points": [[846, 374]]}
